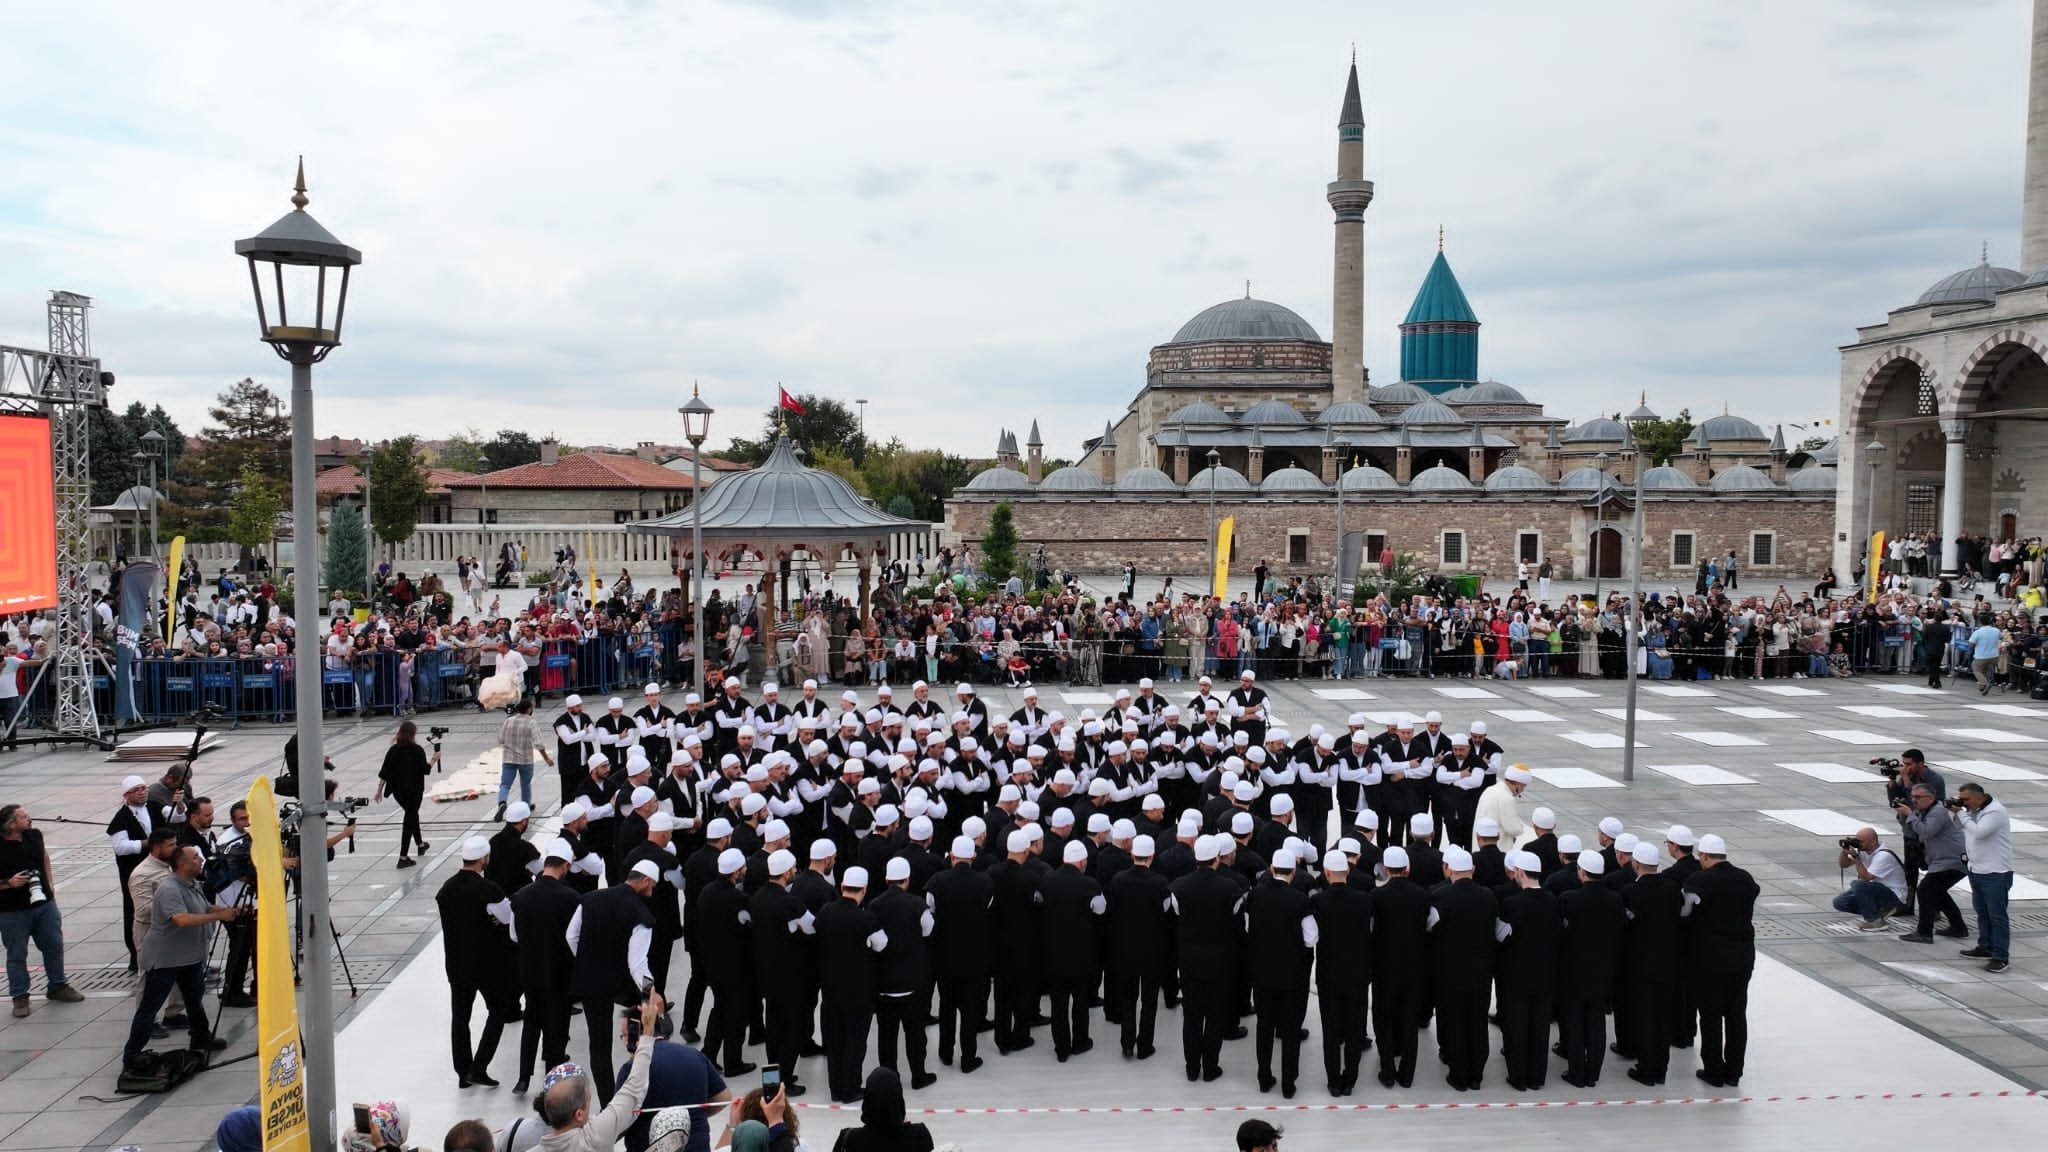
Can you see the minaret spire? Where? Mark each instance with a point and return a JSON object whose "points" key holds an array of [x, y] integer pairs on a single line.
{"points": [[1348, 196]]}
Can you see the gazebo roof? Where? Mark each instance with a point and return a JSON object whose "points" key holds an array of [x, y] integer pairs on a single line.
{"points": [[782, 501]]}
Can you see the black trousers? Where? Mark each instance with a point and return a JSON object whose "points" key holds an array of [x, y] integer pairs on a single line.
{"points": [[544, 1031], [786, 1024], [905, 1015], [732, 1009], [1582, 1027], [190, 981], [1343, 1014], [571, 775], [1461, 1028], [241, 952], [409, 828], [660, 952], [1396, 1022], [962, 1000], [1723, 1000], [1280, 1013], [598, 1017], [1651, 1017], [1136, 996], [462, 997], [127, 912], [845, 1028], [1525, 1037], [1016, 1004], [1937, 901], [693, 992], [1684, 1020], [1070, 1010], [1207, 1012]]}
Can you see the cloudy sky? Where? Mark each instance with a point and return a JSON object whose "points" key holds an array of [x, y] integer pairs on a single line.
{"points": [[974, 214]]}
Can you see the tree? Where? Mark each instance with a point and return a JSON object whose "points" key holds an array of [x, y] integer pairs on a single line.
{"points": [[825, 425], [253, 521], [1660, 442], [398, 488], [347, 551], [999, 545], [510, 449], [249, 428], [463, 452], [901, 506], [116, 438]]}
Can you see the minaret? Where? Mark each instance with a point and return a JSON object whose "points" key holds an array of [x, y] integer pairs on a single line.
{"points": [[2034, 200], [1034, 467], [1348, 196]]}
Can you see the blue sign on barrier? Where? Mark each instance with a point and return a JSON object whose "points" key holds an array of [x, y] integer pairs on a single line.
{"points": [[264, 680], [337, 676], [559, 661], [218, 679], [644, 651], [99, 683], [452, 671], [177, 683]]}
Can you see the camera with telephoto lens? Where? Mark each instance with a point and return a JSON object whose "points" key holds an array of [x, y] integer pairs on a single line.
{"points": [[1887, 766], [1954, 804], [1850, 844]]}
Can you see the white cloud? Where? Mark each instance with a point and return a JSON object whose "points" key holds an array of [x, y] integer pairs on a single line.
{"points": [[974, 215]]}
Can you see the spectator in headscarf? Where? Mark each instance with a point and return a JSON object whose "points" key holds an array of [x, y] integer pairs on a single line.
{"points": [[882, 1124]]}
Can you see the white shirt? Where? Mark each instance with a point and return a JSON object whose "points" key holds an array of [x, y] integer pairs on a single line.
{"points": [[10, 667], [1987, 838], [512, 664], [1887, 869]]}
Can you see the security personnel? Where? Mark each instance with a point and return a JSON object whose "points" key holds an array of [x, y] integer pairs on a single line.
{"points": [[1400, 923], [540, 926], [1720, 902], [781, 930], [1209, 930], [1140, 953], [903, 1002], [1461, 935], [850, 941], [1014, 911], [479, 961], [1654, 904], [1528, 973], [1283, 935], [962, 903], [611, 934], [665, 899], [1343, 914], [724, 949], [1592, 921], [1071, 902], [574, 737], [513, 860]]}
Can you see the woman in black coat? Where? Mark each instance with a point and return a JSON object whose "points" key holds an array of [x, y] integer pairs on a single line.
{"points": [[882, 1125], [404, 777]]}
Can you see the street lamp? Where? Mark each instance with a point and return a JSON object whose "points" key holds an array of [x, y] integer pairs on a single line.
{"points": [[158, 448], [1634, 634], [696, 428], [145, 466], [1215, 461], [1873, 452], [288, 261], [1599, 518]]}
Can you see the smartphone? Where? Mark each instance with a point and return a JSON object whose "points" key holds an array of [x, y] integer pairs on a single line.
{"points": [[363, 1119], [771, 1082], [632, 1032]]}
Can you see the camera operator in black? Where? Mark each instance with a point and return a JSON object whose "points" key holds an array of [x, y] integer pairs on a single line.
{"points": [[1900, 779], [404, 776]]}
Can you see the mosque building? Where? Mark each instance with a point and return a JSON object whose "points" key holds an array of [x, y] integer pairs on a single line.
{"points": [[1247, 412]]}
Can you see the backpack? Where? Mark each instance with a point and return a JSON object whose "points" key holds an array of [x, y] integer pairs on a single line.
{"points": [[159, 1071]]}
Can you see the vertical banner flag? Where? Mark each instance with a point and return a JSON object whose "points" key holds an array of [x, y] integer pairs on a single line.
{"points": [[1875, 562], [279, 1057], [1220, 587], [171, 589]]}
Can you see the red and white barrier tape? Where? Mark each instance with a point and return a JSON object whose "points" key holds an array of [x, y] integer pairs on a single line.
{"points": [[1423, 1106]]}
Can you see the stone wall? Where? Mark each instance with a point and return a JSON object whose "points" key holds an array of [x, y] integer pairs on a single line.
{"points": [[563, 505], [1170, 534]]}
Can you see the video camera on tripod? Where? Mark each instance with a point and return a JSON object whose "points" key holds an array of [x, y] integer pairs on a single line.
{"points": [[435, 734]]}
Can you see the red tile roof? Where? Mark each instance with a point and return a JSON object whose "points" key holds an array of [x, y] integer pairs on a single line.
{"points": [[582, 470], [347, 480]]}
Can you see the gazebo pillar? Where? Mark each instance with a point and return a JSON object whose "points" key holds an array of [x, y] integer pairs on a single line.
{"points": [[766, 638], [867, 571]]}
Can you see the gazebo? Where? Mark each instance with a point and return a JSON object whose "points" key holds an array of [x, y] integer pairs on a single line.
{"points": [[778, 510]]}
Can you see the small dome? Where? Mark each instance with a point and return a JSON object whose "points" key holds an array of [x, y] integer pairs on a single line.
{"points": [[1430, 412], [1200, 412], [1642, 414], [1349, 412], [1456, 395], [1666, 479], [1599, 430], [1812, 478], [1227, 479], [1493, 392], [1742, 478], [1145, 480], [1071, 479], [1971, 285], [1586, 480], [1271, 412], [1441, 478], [999, 480], [1515, 478], [1293, 479], [1402, 393], [1726, 427], [1368, 478], [1828, 454], [1245, 319]]}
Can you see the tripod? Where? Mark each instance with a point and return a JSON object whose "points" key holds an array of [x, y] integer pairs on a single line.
{"points": [[299, 939]]}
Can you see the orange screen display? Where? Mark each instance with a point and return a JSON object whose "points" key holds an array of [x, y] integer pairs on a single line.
{"points": [[28, 516]]}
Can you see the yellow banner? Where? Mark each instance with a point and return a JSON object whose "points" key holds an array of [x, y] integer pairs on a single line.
{"points": [[1874, 563], [1220, 587], [282, 1075], [171, 583]]}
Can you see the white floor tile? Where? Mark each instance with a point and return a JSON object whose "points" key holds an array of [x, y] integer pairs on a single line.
{"points": [[1699, 774], [1831, 773], [1087, 697], [1857, 736], [1788, 690], [1988, 770], [2019, 825], [1880, 711], [1573, 778], [1910, 689], [2035, 713], [1749, 713], [1992, 735], [1343, 694], [1678, 690], [1598, 739], [1641, 714], [2023, 888], [1461, 692], [1721, 739], [1819, 821], [1526, 715], [1561, 692]]}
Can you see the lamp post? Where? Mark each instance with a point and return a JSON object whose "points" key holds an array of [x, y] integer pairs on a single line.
{"points": [[1600, 520], [1215, 461], [289, 261], [696, 427], [1337, 581], [1634, 626], [144, 465], [1873, 564], [158, 448]]}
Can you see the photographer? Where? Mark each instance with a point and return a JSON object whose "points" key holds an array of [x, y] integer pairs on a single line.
{"points": [[404, 776], [1927, 822], [1880, 885], [1987, 843], [237, 873], [1901, 776]]}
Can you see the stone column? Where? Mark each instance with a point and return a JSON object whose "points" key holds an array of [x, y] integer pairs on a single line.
{"points": [[867, 573], [1329, 464], [1475, 464], [2034, 198], [1955, 432], [1180, 464], [1404, 463], [1255, 466], [1107, 450]]}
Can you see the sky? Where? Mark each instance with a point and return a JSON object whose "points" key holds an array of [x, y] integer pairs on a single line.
{"points": [[976, 214]]}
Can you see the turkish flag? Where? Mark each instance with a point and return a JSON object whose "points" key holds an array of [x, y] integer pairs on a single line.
{"points": [[788, 402]]}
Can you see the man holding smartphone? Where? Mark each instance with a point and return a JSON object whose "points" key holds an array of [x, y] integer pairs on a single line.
{"points": [[678, 1075]]}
